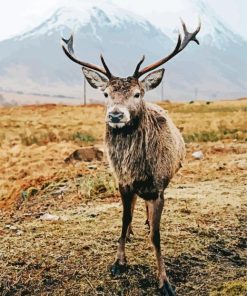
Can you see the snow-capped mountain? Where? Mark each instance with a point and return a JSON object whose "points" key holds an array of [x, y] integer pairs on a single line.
{"points": [[79, 14], [221, 60], [33, 62], [213, 30]]}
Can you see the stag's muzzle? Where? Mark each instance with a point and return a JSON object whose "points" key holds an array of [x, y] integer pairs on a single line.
{"points": [[117, 117]]}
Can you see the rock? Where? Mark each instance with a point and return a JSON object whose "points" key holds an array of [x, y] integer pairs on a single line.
{"points": [[49, 217], [241, 164], [86, 154], [64, 218], [11, 227], [92, 166], [197, 154], [19, 232], [15, 150], [219, 148]]}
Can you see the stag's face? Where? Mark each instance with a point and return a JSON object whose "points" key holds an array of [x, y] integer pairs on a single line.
{"points": [[124, 96]]}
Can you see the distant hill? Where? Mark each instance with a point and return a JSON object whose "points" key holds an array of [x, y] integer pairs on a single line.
{"points": [[34, 62]]}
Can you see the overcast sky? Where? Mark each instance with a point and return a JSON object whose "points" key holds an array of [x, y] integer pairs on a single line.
{"points": [[17, 16]]}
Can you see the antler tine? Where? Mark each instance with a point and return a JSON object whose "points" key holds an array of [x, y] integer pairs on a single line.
{"points": [[138, 67], [181, 44], [189, 36], [199, 25], [109, 75], [67, 45], [184, 26], [162, 61]]}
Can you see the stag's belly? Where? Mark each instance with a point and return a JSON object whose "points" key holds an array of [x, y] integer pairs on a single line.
{"points": [[137, 175], [148, 189]]}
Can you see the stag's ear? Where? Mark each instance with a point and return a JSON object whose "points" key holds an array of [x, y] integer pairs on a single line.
{"points": [[95, 79], [153, 79]]}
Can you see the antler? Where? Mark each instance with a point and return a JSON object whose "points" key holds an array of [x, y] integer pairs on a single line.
{"points": [[67, 45], [181, 44]]}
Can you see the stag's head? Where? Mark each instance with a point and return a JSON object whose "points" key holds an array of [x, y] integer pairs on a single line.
{"points": [[124, 96]]}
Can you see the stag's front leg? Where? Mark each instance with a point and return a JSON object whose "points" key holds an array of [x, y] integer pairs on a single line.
{"points": [[155, 208], [147, 214], [128, 200], [130, 230]]}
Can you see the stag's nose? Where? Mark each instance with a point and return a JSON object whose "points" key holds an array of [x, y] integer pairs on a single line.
{"points": [[115, 117]]}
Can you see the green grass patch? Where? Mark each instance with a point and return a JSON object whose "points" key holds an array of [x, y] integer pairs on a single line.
{"points": [[203, 136], [82, 137], [238, 288], [214, 136], [43, 138], [97, 186]]}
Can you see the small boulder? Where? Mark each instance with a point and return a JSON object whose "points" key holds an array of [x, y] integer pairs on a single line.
{"points": [[49, 217], [88, 154], [52, 217], [197, 155]]}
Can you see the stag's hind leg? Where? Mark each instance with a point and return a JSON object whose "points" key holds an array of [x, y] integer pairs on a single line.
{"points": [[128, 200], [155, 208]]}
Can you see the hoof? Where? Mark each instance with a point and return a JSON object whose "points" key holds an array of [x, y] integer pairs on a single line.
{"points": [[118, 268], [147, 223], [128, 239], [167, 290]]}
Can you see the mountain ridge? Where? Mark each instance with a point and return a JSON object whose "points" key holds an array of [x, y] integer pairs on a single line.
{"points": [[34, 60]]}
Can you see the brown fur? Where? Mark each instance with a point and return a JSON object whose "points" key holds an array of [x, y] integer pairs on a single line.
{"points": [[146, 153]]}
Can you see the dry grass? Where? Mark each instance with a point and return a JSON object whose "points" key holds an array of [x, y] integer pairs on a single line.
{"points": [[202, 122], [203, 229]]}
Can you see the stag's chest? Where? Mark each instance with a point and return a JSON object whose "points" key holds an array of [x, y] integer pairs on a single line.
{"points": [[127, 154], [134, 171]]}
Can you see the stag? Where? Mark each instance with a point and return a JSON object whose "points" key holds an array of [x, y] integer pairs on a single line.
{"points": [[144, 147]]}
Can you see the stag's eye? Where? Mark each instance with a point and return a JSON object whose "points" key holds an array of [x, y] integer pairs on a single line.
{"points": [[137, 95], [106, 95]]}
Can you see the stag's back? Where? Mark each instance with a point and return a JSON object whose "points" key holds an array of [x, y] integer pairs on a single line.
{"points": [[165, 142]]}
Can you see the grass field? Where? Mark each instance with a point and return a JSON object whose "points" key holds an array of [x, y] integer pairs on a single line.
{"points": [[203, 227]]}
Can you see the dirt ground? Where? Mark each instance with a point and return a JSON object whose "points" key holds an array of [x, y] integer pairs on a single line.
{"points": [[59, 223]]}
